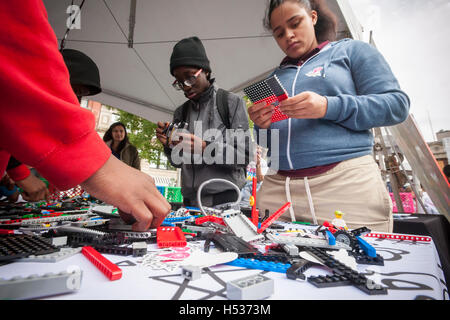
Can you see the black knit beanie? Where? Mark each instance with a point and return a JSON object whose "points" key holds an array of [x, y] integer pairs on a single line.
{"points": [[189, 52], [82, 70]]}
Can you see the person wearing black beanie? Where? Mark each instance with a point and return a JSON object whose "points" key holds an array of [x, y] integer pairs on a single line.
{"points": [[189, 52], [208, 107], [84, 74]]}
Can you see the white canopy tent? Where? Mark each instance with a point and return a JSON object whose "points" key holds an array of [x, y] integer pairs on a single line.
{"points": [[131, 42]]}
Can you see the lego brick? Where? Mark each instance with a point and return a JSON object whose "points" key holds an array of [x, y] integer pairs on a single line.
{"points": [[296, 270], [231, 243], [108, 268], [62, 254], [254, 287], [201, 220], [111, 249], [367, 248], [396, 236], [38, 286], [342, 275], [331, 239], [59, 241], [268, 91], [170, 237], [191, 272], [278, 257], [20, 246], [55, 219], [139, 248], [241, 226], [307, 242], [260, 265]]}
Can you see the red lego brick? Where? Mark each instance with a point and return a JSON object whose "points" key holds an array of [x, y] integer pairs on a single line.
{"points": [[201, 220], [170, 237], [108, 268]]}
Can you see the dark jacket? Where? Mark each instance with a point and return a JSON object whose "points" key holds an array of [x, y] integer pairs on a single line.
{"points": [[129, 155], [200, 169]]}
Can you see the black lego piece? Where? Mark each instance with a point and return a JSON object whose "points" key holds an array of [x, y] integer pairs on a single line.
{"points": [[230, 243], [280, 257], [21, 246], [296, 270], [111, 249], [342, 275]]}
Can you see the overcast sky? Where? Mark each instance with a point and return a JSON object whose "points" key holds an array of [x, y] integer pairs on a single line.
{"points": [[414, 37]]}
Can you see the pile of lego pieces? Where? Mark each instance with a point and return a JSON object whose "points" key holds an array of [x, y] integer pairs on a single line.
{"points": [[52, 232]]}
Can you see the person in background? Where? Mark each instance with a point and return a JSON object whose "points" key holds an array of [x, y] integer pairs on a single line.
{"points": [[116, 138], [85, 81], [338, 91], [190, 66], [256, 168], [33, 189], [57, 137], [8, 189]]}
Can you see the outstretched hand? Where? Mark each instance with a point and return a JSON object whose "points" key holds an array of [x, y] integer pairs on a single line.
{"points": [[133, 192]]}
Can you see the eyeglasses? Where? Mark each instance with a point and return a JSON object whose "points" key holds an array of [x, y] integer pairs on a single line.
{"points": [[189, 82]]}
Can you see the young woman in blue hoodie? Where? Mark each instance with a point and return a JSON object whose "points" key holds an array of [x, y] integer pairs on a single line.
{"points": [[338, 91]]}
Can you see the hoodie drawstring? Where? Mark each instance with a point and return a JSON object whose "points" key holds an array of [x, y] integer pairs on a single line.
{"points": [[310, 201], [308, 194], [288, 198]]}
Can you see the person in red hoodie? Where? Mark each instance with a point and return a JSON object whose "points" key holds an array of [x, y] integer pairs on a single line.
{"points": [[42, 124], [33, 189]]}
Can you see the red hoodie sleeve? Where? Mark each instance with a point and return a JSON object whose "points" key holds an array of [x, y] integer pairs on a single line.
{"points": [[42, 123]]}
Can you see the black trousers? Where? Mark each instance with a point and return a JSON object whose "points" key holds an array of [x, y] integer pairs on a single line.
{"points": [[211, 200]]}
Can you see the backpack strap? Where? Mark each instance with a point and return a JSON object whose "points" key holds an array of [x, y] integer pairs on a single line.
{"points": [[222, 106]]}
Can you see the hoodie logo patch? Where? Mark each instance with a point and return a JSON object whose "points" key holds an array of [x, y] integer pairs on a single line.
{"points": [[317, 72]]}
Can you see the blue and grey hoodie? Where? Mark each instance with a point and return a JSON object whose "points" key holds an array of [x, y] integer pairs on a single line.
{"points": [[362, 94]]}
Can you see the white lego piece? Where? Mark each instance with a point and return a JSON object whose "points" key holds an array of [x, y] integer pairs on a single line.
{"points": [[206, 259], [250, 288], [307, 242], [343, 257], [241, 226], [191, 272]]}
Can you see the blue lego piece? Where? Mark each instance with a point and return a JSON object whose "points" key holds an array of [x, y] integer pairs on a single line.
{"points": [[260, 265], [331, 238], [367, 248], [176, 219], [161, 189], [167, 224]]}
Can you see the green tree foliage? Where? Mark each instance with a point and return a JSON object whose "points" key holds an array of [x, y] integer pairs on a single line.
{"points": [[142, 134]]}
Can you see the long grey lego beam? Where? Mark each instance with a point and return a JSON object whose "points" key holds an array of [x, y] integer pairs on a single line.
{"points": [[37, 286], [307, 242]]}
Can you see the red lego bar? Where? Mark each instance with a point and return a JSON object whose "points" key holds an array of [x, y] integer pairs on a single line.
{"points": [[108, 268], [274, 217]]}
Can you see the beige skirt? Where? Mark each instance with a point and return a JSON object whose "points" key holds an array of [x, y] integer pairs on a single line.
{"points": [[354, 187]]}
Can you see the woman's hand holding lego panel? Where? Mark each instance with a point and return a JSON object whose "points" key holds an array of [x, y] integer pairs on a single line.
{"points": [[261, 114], [305, 105]]}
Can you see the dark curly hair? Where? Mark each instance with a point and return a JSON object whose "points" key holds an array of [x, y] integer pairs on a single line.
{"points": [[326, 26], [108, 135]]}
